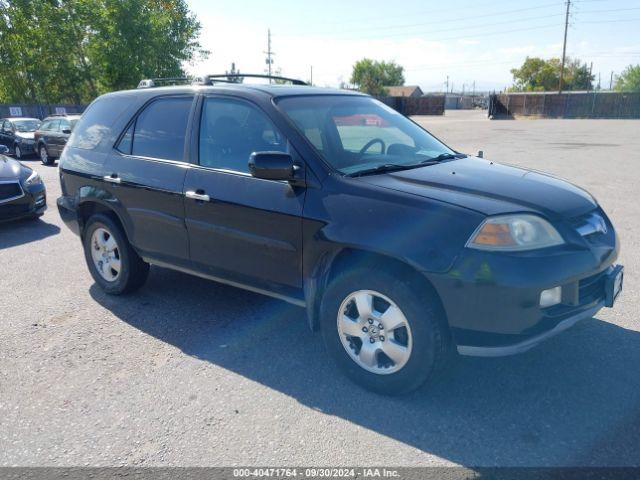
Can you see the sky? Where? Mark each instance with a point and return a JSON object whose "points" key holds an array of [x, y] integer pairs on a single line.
{"points": [[470, 41]]}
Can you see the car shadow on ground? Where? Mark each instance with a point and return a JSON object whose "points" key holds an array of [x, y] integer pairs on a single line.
{"points": [[574, 400], [34, 161], [18, 232]]}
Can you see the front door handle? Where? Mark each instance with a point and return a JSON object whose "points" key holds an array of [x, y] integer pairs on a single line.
{"points": [[202, 197], [113, 178]]}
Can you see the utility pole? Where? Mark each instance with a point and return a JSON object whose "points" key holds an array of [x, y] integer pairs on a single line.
{"points": [[564, 45], [311, 79], [611, 81], [269, 53], [447, 91], [590, 73]]}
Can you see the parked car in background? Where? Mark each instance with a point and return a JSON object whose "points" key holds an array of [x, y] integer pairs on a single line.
{"points": [[17, 135], [22, 192], [52, 136]]}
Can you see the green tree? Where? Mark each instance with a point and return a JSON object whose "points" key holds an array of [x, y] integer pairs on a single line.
{"points": [[372, 76], [72, 50], [538, 75], [629, 80]]}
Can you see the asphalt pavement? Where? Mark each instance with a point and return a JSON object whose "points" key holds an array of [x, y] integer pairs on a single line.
{"points": [[187, 372]]}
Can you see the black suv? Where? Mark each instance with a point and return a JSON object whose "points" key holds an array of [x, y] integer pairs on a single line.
{"points": [[52, 136], [402, 250]]}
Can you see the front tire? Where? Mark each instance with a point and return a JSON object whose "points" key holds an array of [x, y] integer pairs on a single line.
{"points": [[44, 156], [114, 264], [18, 152], [388, 335]]}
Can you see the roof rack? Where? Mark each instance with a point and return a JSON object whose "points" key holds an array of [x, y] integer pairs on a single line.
{"points": [[158, 82], [232, 78], [227, 78]]}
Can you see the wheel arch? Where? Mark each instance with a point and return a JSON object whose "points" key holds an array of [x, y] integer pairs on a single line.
{"points": [[329, 266], [91, 206]]}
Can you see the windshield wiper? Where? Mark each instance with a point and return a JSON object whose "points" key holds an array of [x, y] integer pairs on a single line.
{"points": [[444, 156], [394, 167], [386, 167]]}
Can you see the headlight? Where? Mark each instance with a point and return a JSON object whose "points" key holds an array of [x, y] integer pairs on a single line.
{"points": [[33, 179], [514, 233]]}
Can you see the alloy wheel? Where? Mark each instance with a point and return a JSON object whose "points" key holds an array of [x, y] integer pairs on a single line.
{"points": [[18, 152], [106, 254], [43, 155], [374, 332]]}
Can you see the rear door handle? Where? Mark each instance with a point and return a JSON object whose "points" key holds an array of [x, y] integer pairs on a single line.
{"points": [[203, 197], [113, 178]]}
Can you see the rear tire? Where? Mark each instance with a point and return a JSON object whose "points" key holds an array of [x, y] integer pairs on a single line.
{"points": [[417, 351], [114, 264]]}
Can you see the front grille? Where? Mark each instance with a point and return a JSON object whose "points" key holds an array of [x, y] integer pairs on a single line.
{"points": [[592, 288], [10, 191], [13, 209]]}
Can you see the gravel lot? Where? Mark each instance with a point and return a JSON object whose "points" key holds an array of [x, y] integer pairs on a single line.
{"points": [[188, 372]]}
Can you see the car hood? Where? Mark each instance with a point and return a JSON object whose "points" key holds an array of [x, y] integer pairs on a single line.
{"points": [[490, 188], [25, 135], [9, 168]]}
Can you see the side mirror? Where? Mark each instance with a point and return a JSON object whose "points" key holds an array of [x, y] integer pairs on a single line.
{"points": [[4, 149], [271, 165], [66, 131], [480, 154]]}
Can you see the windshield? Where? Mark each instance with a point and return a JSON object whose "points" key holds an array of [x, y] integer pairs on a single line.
{"points": [[355, 134], [26, 125]]}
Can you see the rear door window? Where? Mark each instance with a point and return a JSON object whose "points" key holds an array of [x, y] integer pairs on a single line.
{"points": [[160, 130]]}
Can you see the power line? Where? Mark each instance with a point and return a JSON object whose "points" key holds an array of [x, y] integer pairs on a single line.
{"points": [[619, 20], [506, 22], [437, 22], [429, 12]]}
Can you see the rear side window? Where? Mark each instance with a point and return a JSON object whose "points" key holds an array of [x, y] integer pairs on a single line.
{"points": [[159, 131], [95, 124]]}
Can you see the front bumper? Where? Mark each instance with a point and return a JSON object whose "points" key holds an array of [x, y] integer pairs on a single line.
{"points": [[32, 203], [492, 300], [523, 346], [27, 148], [597, 291]]}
